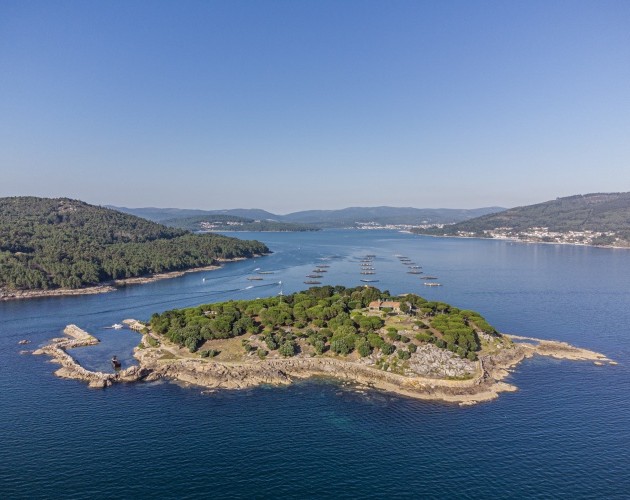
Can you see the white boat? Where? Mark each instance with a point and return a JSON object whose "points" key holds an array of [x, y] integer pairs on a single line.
{"points": [[117, 326]]}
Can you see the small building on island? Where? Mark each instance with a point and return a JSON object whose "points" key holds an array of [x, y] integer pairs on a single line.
{"points": [[379, 305]]}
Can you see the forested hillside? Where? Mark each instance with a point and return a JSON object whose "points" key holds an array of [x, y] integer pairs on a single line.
{"points": [[50, 243], [333, 319], [604, 213]]}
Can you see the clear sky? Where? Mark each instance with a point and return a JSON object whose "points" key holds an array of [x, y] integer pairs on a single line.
{"points": [[293, 105]]}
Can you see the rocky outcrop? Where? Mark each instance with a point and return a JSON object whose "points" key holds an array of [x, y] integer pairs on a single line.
{"points": [[70, 368], [7, 294], [212, 374], [558, 350], [431, 361], [438, 374]]}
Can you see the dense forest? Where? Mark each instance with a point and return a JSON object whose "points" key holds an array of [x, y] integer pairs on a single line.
{"points": [[599, 212], [222, 222], [50, 243], [334, 319]]}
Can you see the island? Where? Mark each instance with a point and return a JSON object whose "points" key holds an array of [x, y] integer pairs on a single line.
{"points": [[60, 246], [402, 344]]}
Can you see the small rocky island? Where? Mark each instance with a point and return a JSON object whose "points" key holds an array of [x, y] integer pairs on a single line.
{"points": [[403, 344]]}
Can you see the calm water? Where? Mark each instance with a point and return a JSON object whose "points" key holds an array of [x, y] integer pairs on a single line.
{"points": [[564, 434]]}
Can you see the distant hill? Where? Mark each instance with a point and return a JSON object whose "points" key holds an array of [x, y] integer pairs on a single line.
{"points": [[347, 217], [170, 214], [50, 243], [607, 214], [221, 222]]}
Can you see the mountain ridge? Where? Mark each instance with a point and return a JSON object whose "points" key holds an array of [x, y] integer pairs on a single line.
{"points": [[346, 217]]}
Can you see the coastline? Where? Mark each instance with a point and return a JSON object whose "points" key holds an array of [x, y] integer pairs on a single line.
{"points": [[108, 286], [518, 240], [161, 363]]}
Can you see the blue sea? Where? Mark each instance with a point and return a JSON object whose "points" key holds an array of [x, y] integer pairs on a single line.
{"points": [[564, 434]]}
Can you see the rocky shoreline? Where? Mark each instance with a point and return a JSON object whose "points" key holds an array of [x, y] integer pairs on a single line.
{"points": [[159, 363], [106, 287]]}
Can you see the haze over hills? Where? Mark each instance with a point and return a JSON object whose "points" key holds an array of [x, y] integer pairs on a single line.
{"points": [[595, 219], [222, 222], [347, 217]]}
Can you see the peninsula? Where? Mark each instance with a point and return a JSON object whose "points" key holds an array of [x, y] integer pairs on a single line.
{"points": [[597, 219], [68, 247], [404, 344], [222, 222]]}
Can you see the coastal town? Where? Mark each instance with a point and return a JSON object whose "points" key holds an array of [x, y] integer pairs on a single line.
{"points": [[545, 235]]}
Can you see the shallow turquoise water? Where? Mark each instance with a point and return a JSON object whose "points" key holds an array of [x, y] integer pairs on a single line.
{"points": [[565, 433]]}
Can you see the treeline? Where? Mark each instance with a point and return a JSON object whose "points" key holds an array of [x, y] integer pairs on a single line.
{"points": [[50, 243], [327, 318], [234, 223]]}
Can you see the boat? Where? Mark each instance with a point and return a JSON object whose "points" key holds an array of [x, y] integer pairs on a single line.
{"points": [[414, 272], [323, 265], [368, 272], [415, 267], [116, 363], [320, 270], [369, 281], [265, 272], [367, 269], [117, 326], [314, 275], [254, 278], [432, 284], [430, 277], [312, 282]]}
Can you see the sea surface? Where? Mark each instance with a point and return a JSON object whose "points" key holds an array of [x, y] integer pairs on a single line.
{"points": [[564, 434]]}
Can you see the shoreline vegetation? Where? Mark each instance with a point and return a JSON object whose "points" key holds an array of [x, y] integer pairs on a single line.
{"points": [[58, 247], [108, 286], [418, 368]]}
